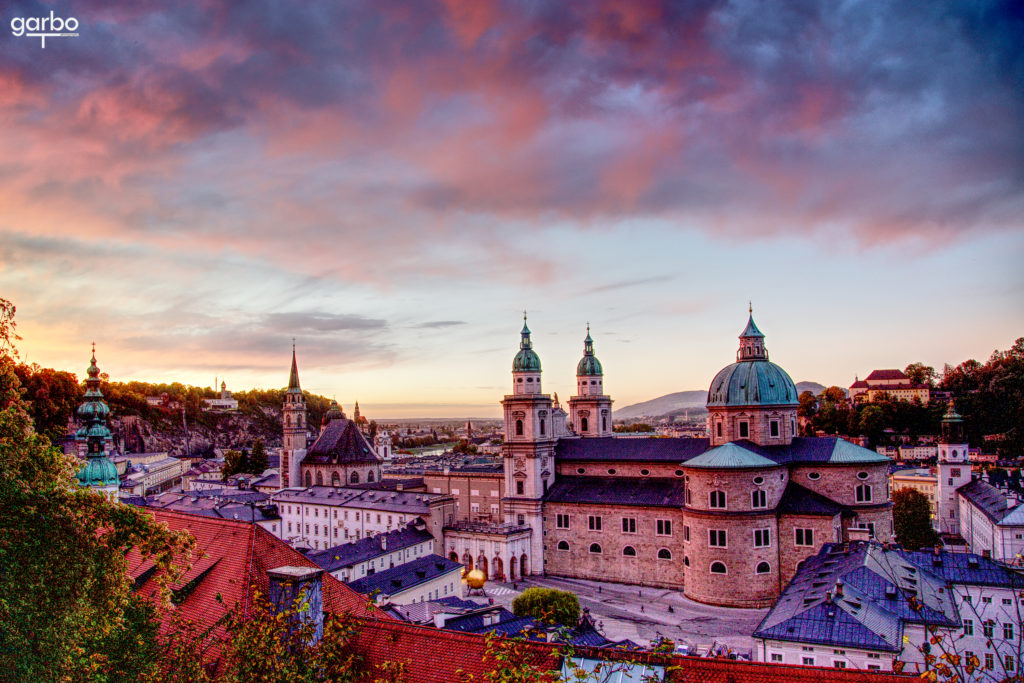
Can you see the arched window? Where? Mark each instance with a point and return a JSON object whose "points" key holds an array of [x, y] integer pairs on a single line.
{"points": [[686, 560], [519, 427], [287, 420], [717, 568], [716, 499], [542, 428], [763, 568], [563, 545], [319, 479], [354, 479], [309, 479], [629, 551], [369, 476], [604, 424], [863, 493], [664, 554], [335, 479], [595, 548], [583, 424]]}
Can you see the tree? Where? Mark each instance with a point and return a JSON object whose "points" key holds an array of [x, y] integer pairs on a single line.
{"points": [[235, 462], [872, 423], [808, 405], [548, 605], [919, 373], [67, 611], [912, 519], [258, 457]]}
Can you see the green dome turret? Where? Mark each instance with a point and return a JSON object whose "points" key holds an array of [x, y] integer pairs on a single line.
{"points": [[589, 365], [527, 359], [99, 471], [333, 413], [752, 380]]}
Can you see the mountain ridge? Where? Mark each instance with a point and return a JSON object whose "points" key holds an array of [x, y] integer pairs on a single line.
{"points": [[695, 398]]}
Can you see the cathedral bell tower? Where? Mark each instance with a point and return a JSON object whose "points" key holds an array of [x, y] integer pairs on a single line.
{"points": [[954, 470], [590, 410], [293, 448], [529, 448]]}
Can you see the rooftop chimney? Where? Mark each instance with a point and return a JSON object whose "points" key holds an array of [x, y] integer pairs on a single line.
{"points": [[293, 587], [839, 589], [383, 542]]}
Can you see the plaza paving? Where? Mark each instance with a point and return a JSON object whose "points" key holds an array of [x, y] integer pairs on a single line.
{"points": [[642, 614]]}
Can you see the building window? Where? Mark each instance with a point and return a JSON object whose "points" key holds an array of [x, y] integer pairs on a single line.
{"points": [[763, 568], [987, 629], [863, 493], [989, 661], [519, 427], [805, 537], [716, 499], [862, 475], [839, 664], [686, 560], [563, 545], [595, 548], [1008, 663], [561, 521], [718, 568], [814, 476], [594, 523], [664, 527], [521, 519], [718, 429], [629, 525], [758, 498], [776, 657], [762, 538], [744, 429], [542, 432], [644, 473], [629, 551], [808, 661], [955, 471], [583, 424], [773, 427], [716, 538], [520, 488], [968, 627], [1008, 631], [686, 533], [664, 554]]}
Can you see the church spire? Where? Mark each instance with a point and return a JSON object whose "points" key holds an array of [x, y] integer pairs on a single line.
{"points": [[751, 340], [293, 377], [99, 472]]}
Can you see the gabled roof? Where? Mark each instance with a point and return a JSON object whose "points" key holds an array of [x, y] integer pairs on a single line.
{"points": [[886, 374], [341, 442], [859, 384], [797, 500], [654, 492], [231, 562], [405, 576], [991, 501], [731, 455], [966, 569], [348, 554]]}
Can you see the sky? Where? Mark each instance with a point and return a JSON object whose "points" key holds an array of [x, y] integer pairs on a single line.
{"points": [[193, 185]]}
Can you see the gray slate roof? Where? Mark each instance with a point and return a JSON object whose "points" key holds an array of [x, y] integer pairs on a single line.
{"points": [[617, 491], [341, 442], [405, 576], [410, 502], [990, 501], [349, 554]]}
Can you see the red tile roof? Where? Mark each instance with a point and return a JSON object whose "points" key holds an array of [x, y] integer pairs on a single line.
{"points": [[231, 558], [859, 384], [886, 374], [437, 656]]}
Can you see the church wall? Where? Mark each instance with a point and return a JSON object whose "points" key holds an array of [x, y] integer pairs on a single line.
{"points": [[839, 482], [759, 424], [611, 565], [791, 555], [741, 585], [621, 469], [483, 491], [737, 484]]}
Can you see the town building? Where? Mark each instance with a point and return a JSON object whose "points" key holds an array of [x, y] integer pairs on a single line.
{"points": [[425, 578], [372, 554], [866, 605], [921, 479], [223, 403], [892, 383], [726, 518], [154, 476]]}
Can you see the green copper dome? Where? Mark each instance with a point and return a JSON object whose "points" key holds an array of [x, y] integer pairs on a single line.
{"points": [[589, 365], [753, 380], [99, 471], [527, 359], [334, 412]]}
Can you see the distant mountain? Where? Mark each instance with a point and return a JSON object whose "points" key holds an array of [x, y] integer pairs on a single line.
{"points": [[670, 403]]}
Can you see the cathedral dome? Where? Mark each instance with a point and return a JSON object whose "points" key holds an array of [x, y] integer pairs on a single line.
{"points": [[333, 413], [98, 472], [752, 380], [527, 359], [589, 365]]}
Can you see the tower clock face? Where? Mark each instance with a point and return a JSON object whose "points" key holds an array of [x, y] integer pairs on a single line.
{"points": [[520, 463]]}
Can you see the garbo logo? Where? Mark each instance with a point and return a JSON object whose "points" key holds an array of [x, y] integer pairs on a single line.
{"points": [[44, 27]]}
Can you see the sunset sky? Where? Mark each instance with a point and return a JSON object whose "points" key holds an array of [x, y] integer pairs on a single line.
{"points": [[391, 183]]}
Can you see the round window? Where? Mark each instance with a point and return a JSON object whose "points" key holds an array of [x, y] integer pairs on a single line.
{"points": [[862, 475], [758, 480], [611, 471], [813, 476], [645, 472], [679, 473], [580, 470]]}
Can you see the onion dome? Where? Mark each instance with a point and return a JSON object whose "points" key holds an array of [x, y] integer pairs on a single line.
{"points": [[99, 471], [333, 413], [753, 380], [527, 359], [589, 365]]}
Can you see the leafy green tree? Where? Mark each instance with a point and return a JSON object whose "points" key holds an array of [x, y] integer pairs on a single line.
{"points": [[872, 423], [808, 405], [258, 457], [919, 373], [53, 397], [548, 605], [912, 519], [235, 462], [67, 612]]}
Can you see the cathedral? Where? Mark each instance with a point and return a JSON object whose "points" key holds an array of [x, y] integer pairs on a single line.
{"points": [[726, 519]]}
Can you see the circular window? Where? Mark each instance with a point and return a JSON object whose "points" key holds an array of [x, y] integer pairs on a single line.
{"points": [[862, 475], [580, 470], [758, 480], [813, 476], [679, 473], [645, 472], [611, 471], [520, 380], [529, 379], [763, 568], [717, 568]]}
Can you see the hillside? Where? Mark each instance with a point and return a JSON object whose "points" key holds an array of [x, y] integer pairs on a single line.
{"points": [[681, 400]]}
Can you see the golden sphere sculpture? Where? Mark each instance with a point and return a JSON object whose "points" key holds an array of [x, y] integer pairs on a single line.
{"points": [[476, 579]]}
